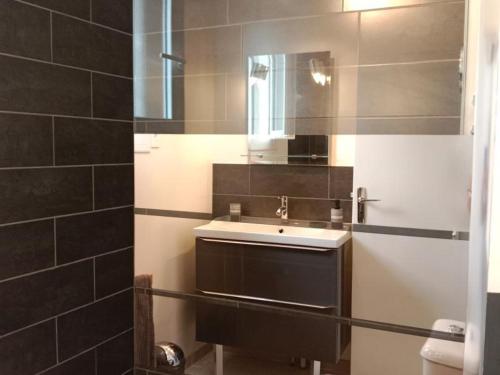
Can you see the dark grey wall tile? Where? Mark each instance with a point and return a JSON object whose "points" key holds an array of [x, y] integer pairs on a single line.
{"points": [[416, 125], [215, 50], [113, 13], [35, 193], [28, 351], [77, 8], [95, 233], [116, 356], [165, 127], [26, 248], [250, 206], [425, 89], [309, 209], [341, 181], [139, 127], [90, 325], [188, 14], [79, 43], [336, 32], [213, 127], [82, 365], [114, 272], [81, 141], [25, 140], [492, 339], [31, 84], [203, 97], [34, 40], [112, 97], [113, 186], [231, 179], [31, 299], [294, 181], [433, 32], [350, 5], [256, 10], [347, 207], [28, 86]]}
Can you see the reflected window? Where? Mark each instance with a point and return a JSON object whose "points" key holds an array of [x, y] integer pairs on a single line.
{"points": [[267, 96]]}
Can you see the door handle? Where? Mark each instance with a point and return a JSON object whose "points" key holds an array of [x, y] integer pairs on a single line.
{"points": [[362, 200]]}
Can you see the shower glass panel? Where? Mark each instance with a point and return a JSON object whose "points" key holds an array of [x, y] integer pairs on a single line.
{"points": [[352, 112]]}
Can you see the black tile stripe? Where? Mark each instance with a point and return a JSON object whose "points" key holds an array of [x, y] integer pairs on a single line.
{"points": [[177, 214], [411, 232], [307, 210]]}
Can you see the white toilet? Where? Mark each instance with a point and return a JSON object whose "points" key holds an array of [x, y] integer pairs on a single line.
{"points": [[442, 357]]}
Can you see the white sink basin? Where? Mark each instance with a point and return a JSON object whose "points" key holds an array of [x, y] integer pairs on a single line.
{"points": [[275, 234]]}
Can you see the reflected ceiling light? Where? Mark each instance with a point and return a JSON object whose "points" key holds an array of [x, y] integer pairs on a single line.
{"points": [[318, 72], [259, 72], [350, 5]]}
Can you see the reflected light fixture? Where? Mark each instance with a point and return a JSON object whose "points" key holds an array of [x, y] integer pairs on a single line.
{"points": [[350, 5], [259, 73], [318, 72]]}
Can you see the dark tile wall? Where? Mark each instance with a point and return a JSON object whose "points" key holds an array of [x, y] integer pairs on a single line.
{"points": [[66, 187], [312, 190], [492, 340]]}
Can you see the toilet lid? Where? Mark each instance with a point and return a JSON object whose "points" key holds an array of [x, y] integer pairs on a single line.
{"points": [[447, 353]]}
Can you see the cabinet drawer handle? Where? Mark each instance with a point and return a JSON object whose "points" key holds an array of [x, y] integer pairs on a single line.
{"points": [[251, 298], [263, 244]]}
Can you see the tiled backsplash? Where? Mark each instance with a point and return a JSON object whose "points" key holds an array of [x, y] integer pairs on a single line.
{"points": [[312, 190]]}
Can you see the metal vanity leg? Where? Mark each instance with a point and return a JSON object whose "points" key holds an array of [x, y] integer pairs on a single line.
{"points": [[315, 368], [219, 359], [303, 363]]}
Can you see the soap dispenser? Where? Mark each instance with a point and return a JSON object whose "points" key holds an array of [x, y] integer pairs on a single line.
{"points": [[337, 213]]}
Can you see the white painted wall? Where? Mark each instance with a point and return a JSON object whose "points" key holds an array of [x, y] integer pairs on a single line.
{"points": [[422, 182], [377, 352], [409, 280], [177, 175], [165, 249]]}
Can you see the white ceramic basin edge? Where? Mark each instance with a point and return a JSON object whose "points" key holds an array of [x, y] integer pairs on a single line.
{"points": [[274, 234]]}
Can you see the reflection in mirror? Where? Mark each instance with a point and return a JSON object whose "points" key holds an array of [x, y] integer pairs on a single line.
{"points": [[254, 68], [283, 87], [296, 149]]}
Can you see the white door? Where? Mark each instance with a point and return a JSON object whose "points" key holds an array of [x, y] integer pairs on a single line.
{"points": [[402, 273]]}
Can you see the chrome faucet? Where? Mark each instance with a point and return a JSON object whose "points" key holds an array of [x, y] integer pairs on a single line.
{"points": [[283, 210]]}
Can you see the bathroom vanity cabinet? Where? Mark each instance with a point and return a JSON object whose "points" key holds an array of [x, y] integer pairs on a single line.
{"points": [[281, 276]]}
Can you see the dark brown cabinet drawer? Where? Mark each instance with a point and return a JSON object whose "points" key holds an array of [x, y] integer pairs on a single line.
{"points": [[269, 333], [268, 272]]}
